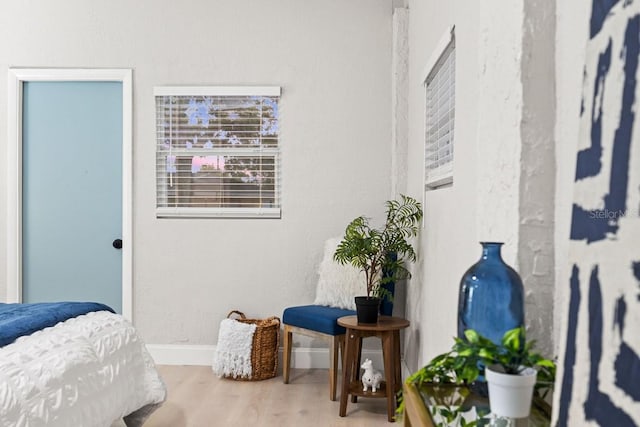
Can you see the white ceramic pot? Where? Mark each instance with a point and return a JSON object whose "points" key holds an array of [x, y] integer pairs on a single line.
{"points": [[510, 395]]}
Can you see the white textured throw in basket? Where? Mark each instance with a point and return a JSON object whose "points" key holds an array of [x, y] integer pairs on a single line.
{"points": [[233, 352], [247, 348]]}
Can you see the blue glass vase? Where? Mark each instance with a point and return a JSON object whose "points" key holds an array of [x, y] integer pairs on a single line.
{"points": [[491, 298]]}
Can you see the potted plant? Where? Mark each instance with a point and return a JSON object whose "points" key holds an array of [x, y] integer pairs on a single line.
{"points": [[512, 360], [512, 371], [380, 253]]}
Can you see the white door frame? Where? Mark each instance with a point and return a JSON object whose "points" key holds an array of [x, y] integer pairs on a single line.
{"points": [[17, 77]]}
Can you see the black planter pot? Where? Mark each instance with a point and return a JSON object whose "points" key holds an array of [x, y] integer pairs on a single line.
{"points": [[367, 309]]}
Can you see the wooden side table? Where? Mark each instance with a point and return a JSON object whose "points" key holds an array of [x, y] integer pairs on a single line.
{"points": [[388, 330]]}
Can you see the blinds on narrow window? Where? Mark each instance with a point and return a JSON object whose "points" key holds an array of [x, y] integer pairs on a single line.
{"points": [[217, 152], [440, 115]]}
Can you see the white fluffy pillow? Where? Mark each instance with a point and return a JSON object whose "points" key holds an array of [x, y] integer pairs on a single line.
{"points": [[338, 284]]}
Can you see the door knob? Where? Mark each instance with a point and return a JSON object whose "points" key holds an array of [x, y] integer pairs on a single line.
{"points": [[117, 243]]}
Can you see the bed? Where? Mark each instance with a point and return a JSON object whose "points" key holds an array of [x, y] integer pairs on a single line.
{"points": [[73, 364]]}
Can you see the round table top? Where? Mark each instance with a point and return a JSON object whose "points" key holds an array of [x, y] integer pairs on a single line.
{"points": [[385, 323]]}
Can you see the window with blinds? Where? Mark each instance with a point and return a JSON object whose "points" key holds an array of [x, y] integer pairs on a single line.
{"points": [[217, 152], [440, 115]]}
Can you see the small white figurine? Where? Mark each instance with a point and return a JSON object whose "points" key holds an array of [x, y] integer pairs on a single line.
{"points": [[370, 377]]}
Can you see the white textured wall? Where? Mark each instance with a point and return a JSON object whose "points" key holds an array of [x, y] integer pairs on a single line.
{"points": [[504, 103], [399, 101], [332, 59], [538, 171], [449, 240], [499, 115]]}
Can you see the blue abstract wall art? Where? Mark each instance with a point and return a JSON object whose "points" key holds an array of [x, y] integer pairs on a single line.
{"points": [[599, 376]]}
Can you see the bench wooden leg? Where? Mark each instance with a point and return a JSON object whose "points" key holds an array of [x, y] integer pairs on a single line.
{"points": [[287, 353]]}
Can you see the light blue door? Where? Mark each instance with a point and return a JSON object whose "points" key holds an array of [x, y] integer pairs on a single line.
{"points": [[72, 192]]}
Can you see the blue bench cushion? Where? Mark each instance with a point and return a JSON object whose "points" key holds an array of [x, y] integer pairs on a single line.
{"points": [[318, 318]]}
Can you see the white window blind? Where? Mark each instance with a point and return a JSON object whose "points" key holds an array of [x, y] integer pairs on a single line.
{"points": [[217, 152], [440, 118]]}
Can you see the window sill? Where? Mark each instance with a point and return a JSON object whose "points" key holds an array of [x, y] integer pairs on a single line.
{"points": [[439, 177], [218, 213]]}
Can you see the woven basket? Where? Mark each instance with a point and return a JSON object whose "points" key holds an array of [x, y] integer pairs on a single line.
{"points": [[264, 352]]}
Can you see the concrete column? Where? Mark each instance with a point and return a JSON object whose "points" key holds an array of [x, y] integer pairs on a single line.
{"points": [[538, 170]]}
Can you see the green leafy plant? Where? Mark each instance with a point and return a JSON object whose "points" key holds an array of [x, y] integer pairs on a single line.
{"points": [[382, 250], [514, 354], [465, 362]]}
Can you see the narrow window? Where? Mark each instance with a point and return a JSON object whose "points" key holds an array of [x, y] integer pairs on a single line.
{"points": [[440, 114], [217, 152]]}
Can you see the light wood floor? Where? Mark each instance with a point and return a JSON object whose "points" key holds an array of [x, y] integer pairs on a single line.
{"points": [[198, 398]]}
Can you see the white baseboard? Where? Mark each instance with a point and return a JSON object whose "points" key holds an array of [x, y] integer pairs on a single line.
{"points": [[176, 354], [301, 357]]}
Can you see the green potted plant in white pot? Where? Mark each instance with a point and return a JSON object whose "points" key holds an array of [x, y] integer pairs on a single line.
{"points": [[380, 253], [512, 371], [515, 373]]}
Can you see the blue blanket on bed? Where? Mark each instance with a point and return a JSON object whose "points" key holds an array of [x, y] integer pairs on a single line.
{"points": [[17, 320]]}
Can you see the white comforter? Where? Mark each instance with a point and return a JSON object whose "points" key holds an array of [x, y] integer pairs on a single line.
{"points": [[87, 371]]}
